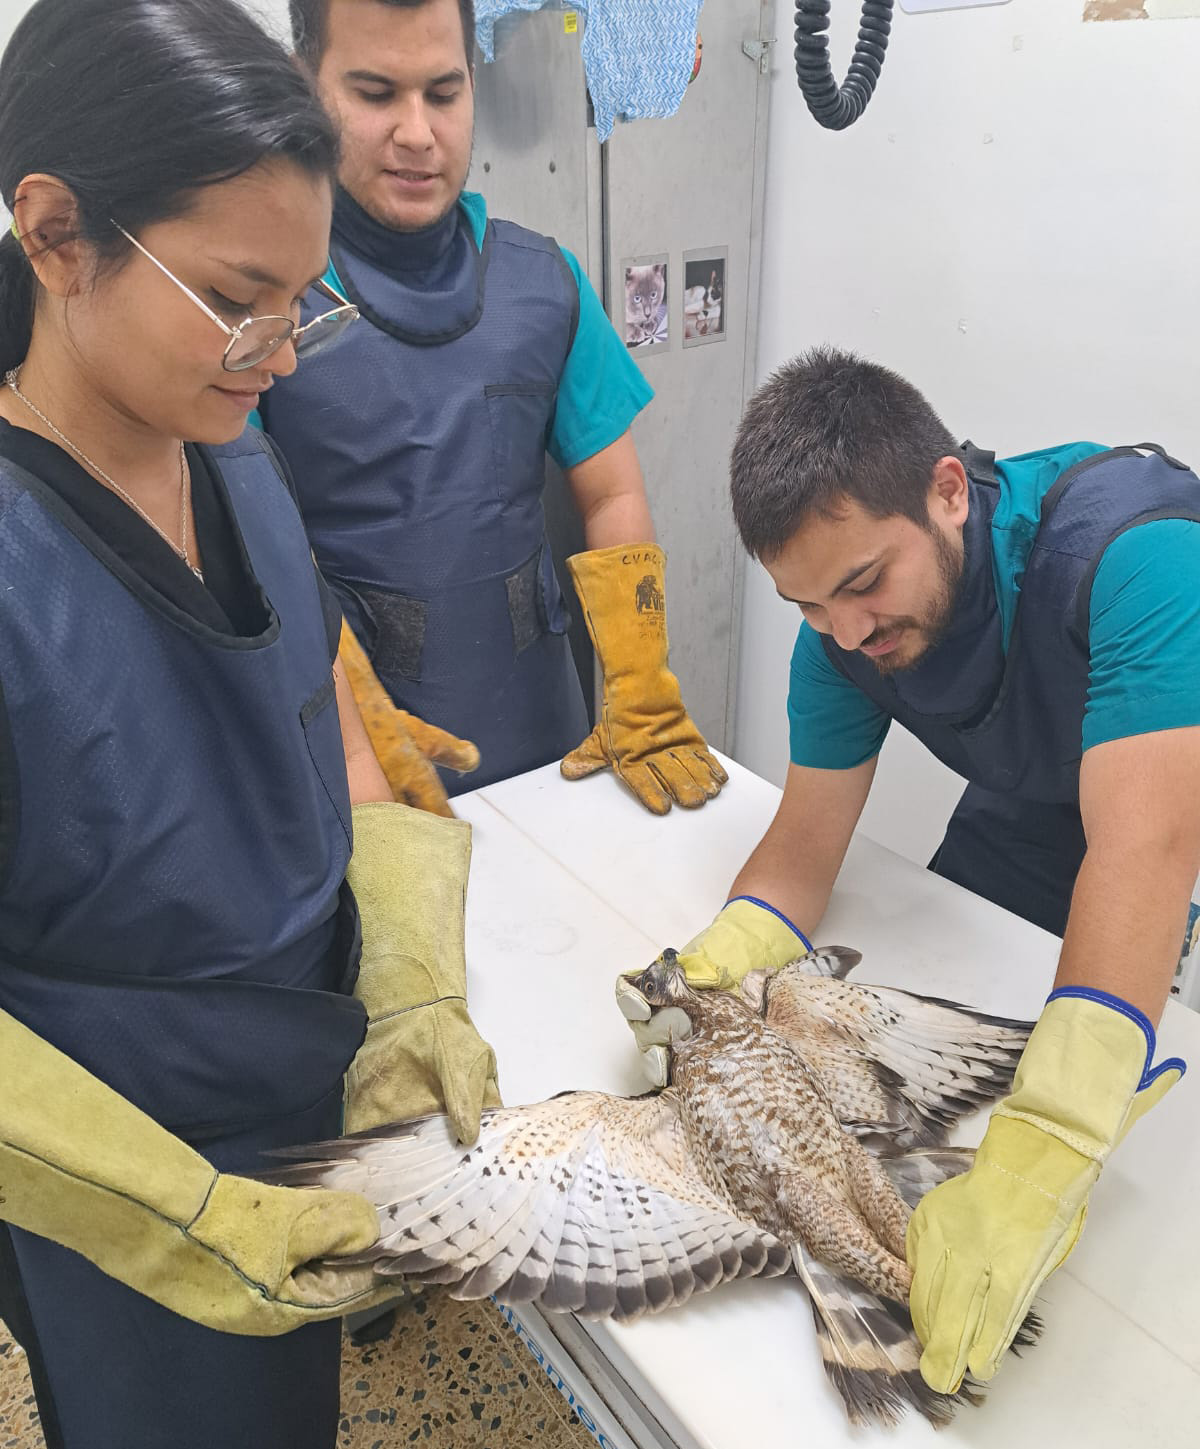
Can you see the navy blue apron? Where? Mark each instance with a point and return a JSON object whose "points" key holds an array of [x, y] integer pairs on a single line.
{"points": [[173, 916], [418, 447], [1011, 721]]}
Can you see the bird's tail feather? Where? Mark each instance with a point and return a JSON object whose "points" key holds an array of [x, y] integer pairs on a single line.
{"points": [[868, 1346], [869, 1350]]}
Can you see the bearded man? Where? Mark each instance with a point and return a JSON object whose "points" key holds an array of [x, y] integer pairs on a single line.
{"points": [[1035, 622]]}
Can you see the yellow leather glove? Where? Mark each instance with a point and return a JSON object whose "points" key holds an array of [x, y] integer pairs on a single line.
{"points": [[83, 1167], [406, 747], [748, 935], [422, 1053], [644, 732], [981, 1245]]}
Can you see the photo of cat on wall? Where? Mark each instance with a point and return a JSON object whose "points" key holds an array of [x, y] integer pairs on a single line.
{"points": [[703, 296], [646, 322]]}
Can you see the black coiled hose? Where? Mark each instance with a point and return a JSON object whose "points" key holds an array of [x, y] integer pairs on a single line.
{"points": [[838, 108]]}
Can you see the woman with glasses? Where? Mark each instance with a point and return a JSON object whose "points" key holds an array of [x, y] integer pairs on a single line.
{"points": [[179, 948]]}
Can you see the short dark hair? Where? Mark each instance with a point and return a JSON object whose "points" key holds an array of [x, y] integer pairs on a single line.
{"points": [[193, 92], [308, 25], [826, 427]]}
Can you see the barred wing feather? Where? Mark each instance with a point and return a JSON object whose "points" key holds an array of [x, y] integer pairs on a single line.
{"points": [[896, 1065], [586, 1202]]}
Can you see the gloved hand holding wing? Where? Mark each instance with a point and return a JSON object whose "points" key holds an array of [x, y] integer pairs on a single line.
{"points": [[84, 1167], [982, 1245]]}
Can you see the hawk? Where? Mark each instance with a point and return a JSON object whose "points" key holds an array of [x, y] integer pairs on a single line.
{"points": [[805, 1119]]}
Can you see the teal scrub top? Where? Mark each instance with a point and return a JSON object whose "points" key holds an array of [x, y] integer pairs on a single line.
{"points": [[1144, 629]]}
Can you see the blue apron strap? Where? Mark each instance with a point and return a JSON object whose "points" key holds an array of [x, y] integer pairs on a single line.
{"points": [[1162, 453], [980, 464]]}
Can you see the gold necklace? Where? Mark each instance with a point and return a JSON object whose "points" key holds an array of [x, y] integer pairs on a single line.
{"points": [[182, 552]]}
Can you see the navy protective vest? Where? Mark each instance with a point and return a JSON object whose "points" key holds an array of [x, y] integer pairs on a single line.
{"points": [[1011, 721], [418, 447], [172, 905]]}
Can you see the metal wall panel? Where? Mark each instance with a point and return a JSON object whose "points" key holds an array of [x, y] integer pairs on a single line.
{"points": [[689, 183], [537, 162], [533, 149]]}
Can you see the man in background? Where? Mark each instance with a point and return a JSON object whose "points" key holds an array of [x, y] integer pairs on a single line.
{"points": [[419, 445]]}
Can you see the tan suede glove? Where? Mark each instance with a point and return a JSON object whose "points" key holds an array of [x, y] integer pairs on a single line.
{"points": [[422, 1053], [406, 747], [644, 732], [83, 1167]]}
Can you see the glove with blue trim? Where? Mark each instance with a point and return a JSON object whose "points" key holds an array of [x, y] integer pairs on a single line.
{"points": [[981, 1245], [748, 935]]}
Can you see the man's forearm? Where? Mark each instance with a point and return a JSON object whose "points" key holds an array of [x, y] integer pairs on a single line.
{"points": [[1137, 796], [1126, 926], [797, 886], [364, 774], [794, 866], [624, 518], [610, 493]]}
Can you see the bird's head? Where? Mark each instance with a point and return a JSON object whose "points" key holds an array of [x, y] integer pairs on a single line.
{"points": [[663, 982], [663, 990], [664, 1012]]}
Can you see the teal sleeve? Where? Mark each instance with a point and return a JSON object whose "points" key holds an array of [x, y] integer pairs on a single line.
{"points": [[834, 726], [601, 389], [1144, 633]]}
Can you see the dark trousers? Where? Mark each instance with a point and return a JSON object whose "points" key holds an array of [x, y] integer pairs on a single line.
{"points": [[113, 1370], [1021, 854]]}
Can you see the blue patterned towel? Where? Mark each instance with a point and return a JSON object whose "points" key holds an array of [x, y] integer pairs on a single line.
{"points": [[638, 54], [487, 12]]}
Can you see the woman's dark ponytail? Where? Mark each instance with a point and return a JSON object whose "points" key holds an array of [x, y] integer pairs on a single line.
{"points": [[16, 302], [133, 105]]}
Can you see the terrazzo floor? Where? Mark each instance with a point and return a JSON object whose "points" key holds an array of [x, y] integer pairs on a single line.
{"points": [[451, 1375]]}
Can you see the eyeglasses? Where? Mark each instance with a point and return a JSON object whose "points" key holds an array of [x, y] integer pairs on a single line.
{"points": [[257, 337]]}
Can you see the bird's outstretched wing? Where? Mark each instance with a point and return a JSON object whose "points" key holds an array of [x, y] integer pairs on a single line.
{"points": [[585, 1202], [836, 961], [898, 1067]]}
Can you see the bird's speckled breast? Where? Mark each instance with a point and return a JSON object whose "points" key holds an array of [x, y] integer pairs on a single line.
{"points": [[752, 1110]]}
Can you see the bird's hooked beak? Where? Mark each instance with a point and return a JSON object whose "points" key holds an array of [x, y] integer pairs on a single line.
{"points": [[663, 981]]}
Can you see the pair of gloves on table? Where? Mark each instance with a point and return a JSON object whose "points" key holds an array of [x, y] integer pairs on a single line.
{"points": [[980, 1245], [644, 733], [83, 1166]]}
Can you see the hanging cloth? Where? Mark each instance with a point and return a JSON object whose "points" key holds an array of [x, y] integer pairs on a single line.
{"points": [[638, 57]]}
